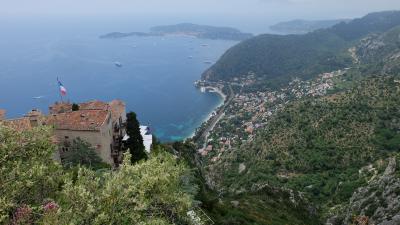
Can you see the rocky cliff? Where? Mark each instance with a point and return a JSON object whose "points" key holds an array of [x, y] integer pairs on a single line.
{"points": [[378, 203]]}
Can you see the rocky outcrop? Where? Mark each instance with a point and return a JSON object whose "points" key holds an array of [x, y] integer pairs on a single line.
{"points": [[378, 203]]}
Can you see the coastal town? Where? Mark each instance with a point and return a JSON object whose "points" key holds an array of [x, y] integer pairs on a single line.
{"points": [[244, 112]]}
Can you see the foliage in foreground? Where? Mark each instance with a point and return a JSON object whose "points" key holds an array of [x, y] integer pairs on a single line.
{"points": [[81, 153], [36, 189]]}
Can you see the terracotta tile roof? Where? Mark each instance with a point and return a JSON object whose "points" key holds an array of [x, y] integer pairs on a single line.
{"points": [[86, 120], [94, 105], [2, 114], [60, 107], [19, 124], [117, 109]]}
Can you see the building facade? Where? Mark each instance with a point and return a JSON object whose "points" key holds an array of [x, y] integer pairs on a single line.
{"points": [[100, 124]]}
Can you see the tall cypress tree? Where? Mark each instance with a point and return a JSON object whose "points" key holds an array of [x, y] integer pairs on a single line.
{"points": [[135, 141]]}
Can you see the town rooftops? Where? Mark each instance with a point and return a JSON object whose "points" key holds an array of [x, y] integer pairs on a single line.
{"points": [[94, 105], [19, 124], [2, 114], [60, 107], [116, 107], [86, 120]]}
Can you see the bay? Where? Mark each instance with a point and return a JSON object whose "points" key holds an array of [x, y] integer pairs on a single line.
{"points": [[155, 80]]}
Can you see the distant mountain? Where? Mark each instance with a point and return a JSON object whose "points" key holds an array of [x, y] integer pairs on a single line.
{"points": [[199, 31], [304, 26], [278, 58], [115, 35]]}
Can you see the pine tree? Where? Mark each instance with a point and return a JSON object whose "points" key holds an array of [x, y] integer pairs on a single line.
{"points": [[135, 141], [75, 107]]}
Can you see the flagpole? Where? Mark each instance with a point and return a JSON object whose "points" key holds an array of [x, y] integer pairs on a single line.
{"points": [[58, 81]]}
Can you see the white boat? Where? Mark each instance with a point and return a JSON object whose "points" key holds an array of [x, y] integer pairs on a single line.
{"points": [[118, 64], [190, 57], [204, 45]]}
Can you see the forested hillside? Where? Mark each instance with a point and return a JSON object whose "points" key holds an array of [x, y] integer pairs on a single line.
{"points": [[279, 58], [380, 53], [318, 146], [338, 150]]}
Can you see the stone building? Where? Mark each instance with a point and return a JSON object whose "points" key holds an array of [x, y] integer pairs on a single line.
{"points": [[100, 124]]}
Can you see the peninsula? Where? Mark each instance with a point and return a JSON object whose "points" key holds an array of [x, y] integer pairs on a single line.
{"points": [[187, 29]]}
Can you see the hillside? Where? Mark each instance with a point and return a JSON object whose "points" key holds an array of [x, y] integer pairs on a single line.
{"points": [[328, 137], [317, 146], [304, 26], [279, 58], [380, 52]]}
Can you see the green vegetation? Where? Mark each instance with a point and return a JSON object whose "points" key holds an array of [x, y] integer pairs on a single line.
{"points": [[267, 205], [81, 153], [318, 145], [75, 107], [277, 59], [135, 141], [199, 31], [34, 189], [304, 26], [280, 58]]}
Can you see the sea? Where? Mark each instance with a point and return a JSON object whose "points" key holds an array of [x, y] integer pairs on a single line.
{"points": [[155, 80]]}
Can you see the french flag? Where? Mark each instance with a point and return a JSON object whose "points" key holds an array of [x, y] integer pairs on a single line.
{"points": [[63, 90]]}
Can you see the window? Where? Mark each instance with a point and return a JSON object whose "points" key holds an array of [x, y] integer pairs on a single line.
{"points": [[66, 137]]}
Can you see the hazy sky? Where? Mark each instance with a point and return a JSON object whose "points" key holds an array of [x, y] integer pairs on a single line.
{"points": [[218, 12], [318, 8]]}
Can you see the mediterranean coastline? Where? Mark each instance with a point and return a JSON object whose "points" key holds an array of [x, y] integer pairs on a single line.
{"points": [[206, 120]]}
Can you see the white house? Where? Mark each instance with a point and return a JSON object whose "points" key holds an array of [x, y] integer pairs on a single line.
{"points": [[147, 138]]}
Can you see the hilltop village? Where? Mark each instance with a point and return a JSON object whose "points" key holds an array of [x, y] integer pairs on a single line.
{"points": [[101, 124]]}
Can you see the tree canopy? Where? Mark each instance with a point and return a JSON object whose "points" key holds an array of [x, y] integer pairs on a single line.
{"points": [[135, 141], [35, 189]]}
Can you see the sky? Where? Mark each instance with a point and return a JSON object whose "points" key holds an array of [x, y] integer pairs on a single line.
{"points": [[218, 12]]}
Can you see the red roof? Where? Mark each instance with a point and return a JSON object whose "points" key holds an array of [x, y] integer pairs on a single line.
{"points": [[20, 124], [87, 120], [94, 105]]}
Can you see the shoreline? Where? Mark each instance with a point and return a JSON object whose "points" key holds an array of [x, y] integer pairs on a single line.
{"points": [[223, 97]]}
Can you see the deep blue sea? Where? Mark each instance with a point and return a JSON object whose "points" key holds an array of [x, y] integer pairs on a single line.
{"points": [[155, 81]]}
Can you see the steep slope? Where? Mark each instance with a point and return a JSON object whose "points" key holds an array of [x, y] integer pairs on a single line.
{"points": [[279, 58], [380, 53], [304, 26], [318, 145], [376, 203]]}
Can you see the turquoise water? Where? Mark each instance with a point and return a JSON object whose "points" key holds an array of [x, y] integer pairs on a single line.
{"points": [[155, 81]]}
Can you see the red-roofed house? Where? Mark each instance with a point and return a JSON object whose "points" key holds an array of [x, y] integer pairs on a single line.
{"points": [[100, 124]]}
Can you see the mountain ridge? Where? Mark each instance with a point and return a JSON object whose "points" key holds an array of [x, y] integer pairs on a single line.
{"points": [[189, 29], [279, 58]]}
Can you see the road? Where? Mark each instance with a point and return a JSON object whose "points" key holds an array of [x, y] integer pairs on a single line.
{"points": [[215, 119]]}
